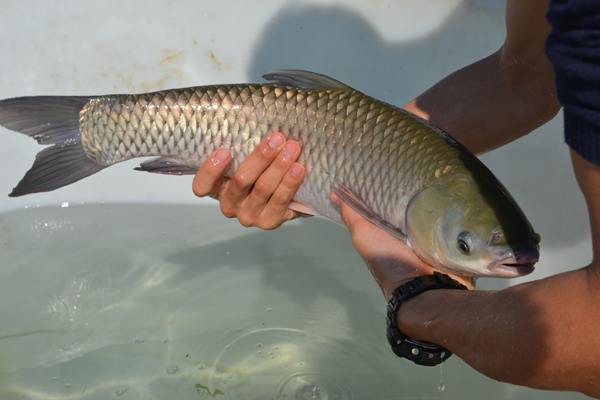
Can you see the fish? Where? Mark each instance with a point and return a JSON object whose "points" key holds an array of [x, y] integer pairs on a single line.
{"points": [[402, 173]]}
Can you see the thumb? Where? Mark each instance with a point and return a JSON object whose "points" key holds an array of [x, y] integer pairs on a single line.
{"points": [[351, 218], [355, 222]]}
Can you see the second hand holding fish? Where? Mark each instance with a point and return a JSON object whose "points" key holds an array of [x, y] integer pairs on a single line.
{"points": [[391, 262]]}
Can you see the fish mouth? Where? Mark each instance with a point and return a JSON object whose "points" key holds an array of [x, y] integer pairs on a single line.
{"points": [[517, 262], [512, 269]]}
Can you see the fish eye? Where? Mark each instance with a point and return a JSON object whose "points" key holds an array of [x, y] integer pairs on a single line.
{"points": [[465, 242]]}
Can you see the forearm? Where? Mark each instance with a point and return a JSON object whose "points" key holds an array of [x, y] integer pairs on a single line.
{"points": [[542, 334], [502, 97], [483, 107]]}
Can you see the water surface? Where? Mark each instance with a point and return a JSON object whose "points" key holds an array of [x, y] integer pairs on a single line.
{"points": [[177, 302]]}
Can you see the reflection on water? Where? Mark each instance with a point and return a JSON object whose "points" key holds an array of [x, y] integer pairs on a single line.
{"points": [[177, 302]]}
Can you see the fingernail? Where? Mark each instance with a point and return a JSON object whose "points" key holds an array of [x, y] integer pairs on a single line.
{"points": [[289, 150], [220, 157], [275, 141], [296, 170]]}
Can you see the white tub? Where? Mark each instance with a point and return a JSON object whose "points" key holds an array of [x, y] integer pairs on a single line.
{"points": [[126, 285]]}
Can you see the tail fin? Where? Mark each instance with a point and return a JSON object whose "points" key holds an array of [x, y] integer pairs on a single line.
{"points": [[50, 120]]}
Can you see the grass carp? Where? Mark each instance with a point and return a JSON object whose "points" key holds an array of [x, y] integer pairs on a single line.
{"points": [[398, 170]]}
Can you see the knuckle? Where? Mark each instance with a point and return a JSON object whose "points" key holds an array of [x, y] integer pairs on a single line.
{"points": [[267, 225], [229, 214], [276, 223], [240, 180], [228, 210], [262, 188], [266, 153], [280, 198], [291, 185], [246, 221]]}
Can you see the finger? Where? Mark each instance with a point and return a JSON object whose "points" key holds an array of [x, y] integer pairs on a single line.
{"points": [[208, 177], [267, 203], [283, 194], [253, 166], [272, 178], [279, 202], [352, 219]]}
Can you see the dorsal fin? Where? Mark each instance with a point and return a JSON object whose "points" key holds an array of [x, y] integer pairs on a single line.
{"points": [[304, 80]]}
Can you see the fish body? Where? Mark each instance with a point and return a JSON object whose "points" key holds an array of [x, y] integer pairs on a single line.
{"points": [[390, 165]]}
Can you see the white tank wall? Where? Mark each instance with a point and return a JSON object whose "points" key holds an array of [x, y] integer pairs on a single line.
{"points": [[392, 50]]}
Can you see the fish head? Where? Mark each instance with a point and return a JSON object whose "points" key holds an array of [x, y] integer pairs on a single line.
{"points": [[473, 228]]}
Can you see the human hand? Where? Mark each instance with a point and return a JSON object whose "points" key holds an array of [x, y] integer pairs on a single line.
{"points": [[261, 189], [390, 261]]}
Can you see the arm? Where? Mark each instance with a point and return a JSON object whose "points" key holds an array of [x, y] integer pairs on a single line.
{"points": [[502, 97], [542, 334]]}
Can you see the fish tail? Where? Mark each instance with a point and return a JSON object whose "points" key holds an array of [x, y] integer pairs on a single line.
{"points": [[51, 120]]}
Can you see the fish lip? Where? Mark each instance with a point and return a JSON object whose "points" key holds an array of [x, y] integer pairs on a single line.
{"points": [[512, 267], [517, 262]]}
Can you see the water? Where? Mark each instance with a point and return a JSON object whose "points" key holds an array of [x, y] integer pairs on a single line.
{"points": [[441, 387], [156, 301]]}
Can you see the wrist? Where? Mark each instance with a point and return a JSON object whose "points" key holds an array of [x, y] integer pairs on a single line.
{"points": [[417, 314], [420, 351]]}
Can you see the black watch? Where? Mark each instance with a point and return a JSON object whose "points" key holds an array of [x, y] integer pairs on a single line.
{"points": [[422, 353]]}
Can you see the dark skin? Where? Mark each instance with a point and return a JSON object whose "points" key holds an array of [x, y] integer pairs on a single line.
{"points": [[542, 334]]}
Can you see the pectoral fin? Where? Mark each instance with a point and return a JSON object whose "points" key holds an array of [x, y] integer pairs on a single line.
{"points": [[360, 207]]}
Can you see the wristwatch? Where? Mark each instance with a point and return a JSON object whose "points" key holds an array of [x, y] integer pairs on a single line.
{"points": [[421, 353]]}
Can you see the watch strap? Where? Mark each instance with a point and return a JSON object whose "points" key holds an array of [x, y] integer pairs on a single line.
{"points": [[421, 353]]}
